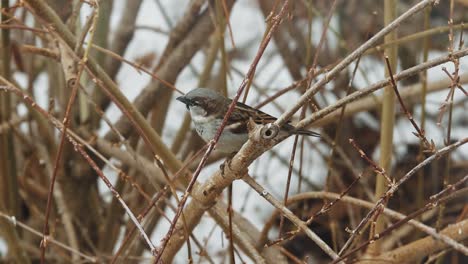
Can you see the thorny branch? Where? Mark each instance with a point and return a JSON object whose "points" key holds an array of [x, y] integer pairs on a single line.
{"points": [[162, 170]]}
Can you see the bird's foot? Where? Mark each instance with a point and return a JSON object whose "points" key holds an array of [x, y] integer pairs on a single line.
{"points": [[228, 161]]}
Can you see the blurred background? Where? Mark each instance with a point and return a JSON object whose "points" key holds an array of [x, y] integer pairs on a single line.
{"points": [[154, 50]]}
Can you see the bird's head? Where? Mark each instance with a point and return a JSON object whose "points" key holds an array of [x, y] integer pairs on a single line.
{"points": [[202, 101]]}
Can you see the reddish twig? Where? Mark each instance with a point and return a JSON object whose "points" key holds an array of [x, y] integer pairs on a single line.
{"points": [[230, 216], [377, 168], [288, 181], [78, 147], [213, 142], [141, 215], [430, 147], [349, 59], [74, 83], [327, 207], [376, 86], [394, 187], [15, 222], [435, 200]]}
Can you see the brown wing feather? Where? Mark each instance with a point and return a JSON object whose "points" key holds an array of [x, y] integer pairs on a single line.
{"points": [[258, 116], [242, 112]]}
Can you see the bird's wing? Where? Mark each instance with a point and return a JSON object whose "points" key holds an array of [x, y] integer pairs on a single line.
{"points": [[245, 112], [237, 122], [242, 113]]}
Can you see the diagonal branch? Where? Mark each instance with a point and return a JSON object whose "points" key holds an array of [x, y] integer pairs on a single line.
{"points": [[366, 91], [350, 58]]}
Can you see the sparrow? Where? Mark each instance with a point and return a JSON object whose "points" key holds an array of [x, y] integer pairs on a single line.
{"points": [[208, 108]]}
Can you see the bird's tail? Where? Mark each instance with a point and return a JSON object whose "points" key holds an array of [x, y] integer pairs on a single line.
{"points": [[306, 132]]}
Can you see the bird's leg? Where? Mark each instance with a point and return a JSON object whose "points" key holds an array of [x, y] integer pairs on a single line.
{"points": [[221, 168], [228, 161]]}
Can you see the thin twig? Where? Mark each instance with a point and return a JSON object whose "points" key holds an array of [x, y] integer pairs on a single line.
{"points": [[74, 83], [366, 91], [50, 239], [78, 147], [350, 58], [420, 133], [213, 142], [293, 218], [394, 187], [436, 200], [377, 168]]}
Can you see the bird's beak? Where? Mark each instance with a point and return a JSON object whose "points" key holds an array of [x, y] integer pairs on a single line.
{"points": [[183, 99]]}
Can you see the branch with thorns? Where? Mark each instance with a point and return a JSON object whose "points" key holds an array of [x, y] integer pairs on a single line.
{"points": [[429, 146], [394, 187]]}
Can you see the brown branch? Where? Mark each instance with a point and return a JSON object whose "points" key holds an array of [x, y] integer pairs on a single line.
{"points": [[376, 167], [414, 251], [420, 133], [73, 76], [51, 240], [394, 187], [288, 214], [332, 109], [78, 148], [350, 58], [213, 142], [119, 44], [44, 12], [435, 201]]}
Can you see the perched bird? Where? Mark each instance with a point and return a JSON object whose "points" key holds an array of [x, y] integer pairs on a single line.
{"points": [[208, 109]]}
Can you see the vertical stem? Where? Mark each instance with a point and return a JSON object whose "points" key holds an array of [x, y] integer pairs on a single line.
{"points": [[220, 31], [446, 179], [420, 158], [9, 188], [387, 118], [100, 39], [8, 177], [447, 159]]}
